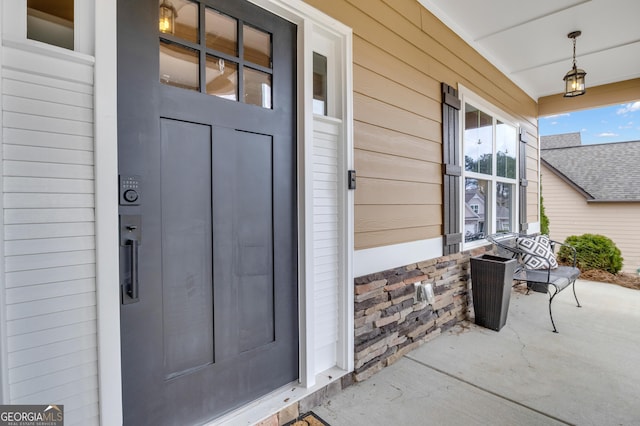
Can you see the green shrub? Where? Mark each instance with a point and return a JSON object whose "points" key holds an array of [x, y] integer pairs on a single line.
{"points": [[593, 252], [544, 220]]}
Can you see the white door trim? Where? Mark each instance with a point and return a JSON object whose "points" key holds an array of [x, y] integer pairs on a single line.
{"points": [[106, 211]]}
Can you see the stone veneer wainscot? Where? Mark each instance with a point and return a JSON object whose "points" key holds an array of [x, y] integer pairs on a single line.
{"points": [[390, 322]]}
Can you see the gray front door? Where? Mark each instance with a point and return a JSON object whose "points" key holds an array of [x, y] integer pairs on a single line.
{"points": [[207, 163]]}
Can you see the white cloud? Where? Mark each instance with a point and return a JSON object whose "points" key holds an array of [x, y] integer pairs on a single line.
{"points": [[553, 123], [629, 125], [549, 117], [635, 106], [607, 134]]}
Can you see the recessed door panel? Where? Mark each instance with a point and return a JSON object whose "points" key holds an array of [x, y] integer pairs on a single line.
{"points": [[243, 243], [187, 280]]}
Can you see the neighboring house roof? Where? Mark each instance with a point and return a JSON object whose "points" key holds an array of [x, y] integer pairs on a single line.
{"points": [[604, 172], [470, 194], [470, 215], [564, 140]]}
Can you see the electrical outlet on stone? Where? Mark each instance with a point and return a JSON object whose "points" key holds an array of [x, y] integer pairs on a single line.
{"points": [[424, 293], [421, 294], [429, 295]]}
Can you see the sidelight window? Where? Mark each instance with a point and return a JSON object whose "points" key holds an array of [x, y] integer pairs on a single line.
{"points": [[51, 22], [205, 50], [319, 84]]}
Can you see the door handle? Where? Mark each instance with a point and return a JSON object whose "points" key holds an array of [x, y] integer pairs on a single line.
{"points": [[130, 240], [132, 288]]}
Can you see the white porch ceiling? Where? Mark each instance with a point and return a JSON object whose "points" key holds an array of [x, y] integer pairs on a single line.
{"points": [[527, 40]]}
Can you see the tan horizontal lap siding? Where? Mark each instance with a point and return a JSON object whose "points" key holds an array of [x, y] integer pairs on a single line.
{"points": [[570, 214], [399, 190], [378, 191], [401, 54], [388, 116]]}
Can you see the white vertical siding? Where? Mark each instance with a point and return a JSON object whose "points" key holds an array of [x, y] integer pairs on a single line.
{"points": [[48, 196], [326, 241]]}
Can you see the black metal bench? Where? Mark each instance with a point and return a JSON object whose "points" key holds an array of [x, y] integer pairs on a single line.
{"points": [[547, 280]]}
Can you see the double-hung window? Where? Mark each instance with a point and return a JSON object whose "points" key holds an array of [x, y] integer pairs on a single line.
{"points": [[490, 172]]}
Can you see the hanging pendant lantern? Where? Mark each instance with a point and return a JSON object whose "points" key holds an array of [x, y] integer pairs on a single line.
{"points": [[167, 18], [574, 84]]}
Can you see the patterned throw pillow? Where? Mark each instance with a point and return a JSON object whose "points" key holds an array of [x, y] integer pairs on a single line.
{"points": [[539, 246]]}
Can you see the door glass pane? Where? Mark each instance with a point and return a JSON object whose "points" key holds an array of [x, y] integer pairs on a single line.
{"points": [[179, 66], [51, 22], [475, 197], [221, 32], [222, 78], [319, 84], [504, 206], [185, 19], [257, 88], [257, 46], [506, 150], [478, 140]]}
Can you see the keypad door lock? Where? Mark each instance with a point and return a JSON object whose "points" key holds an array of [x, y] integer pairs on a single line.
{"points": [[130, 190], [131, 195]]}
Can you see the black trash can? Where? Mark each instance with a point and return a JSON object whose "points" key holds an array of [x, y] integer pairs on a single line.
{"points": [[491, 281]]}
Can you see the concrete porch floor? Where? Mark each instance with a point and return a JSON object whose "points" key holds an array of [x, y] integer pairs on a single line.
{"points": [[587, 374]]}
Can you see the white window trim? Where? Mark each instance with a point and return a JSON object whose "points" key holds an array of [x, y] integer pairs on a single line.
{"points": [[332, 47], [468, 96], [84, 33]]}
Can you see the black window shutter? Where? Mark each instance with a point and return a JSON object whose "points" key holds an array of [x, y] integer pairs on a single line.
{"points": [[451, 169], [523, 180]]}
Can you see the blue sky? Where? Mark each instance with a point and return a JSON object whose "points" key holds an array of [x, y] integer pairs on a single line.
{"points": [[618, 123]]}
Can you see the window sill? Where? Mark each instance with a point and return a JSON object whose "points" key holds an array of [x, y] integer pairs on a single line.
{"points": [[41, 48], [474, 244]]}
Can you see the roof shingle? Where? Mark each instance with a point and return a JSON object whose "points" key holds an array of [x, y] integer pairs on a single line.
{"points": [[608, 172], [564, 140]]}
